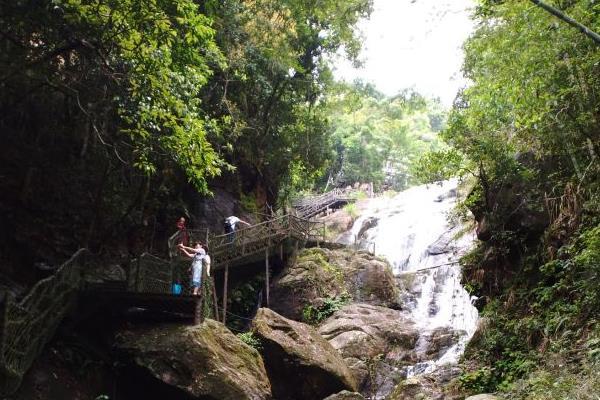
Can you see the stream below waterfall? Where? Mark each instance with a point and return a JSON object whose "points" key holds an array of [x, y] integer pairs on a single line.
{"points": [[413, 232]]}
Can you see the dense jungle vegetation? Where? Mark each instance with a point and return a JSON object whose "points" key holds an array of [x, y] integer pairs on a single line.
{"points": [[528, 128], [119, 116], [116, 114]]}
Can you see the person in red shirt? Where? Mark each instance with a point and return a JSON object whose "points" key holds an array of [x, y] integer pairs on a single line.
{"points": [[183, 233]]}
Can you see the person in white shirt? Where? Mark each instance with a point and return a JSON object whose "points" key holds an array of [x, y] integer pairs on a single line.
{"points": [[230, 225]]}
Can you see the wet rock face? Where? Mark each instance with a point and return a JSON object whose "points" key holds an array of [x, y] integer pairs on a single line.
{"points": [[375, 341], [206, 360], [320, 273], [428, 386], [440, 340], [301, 363], [416, 388]]}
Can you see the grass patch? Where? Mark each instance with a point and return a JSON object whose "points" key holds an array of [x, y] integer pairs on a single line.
{"points": [[351, 209], [251, 340]]}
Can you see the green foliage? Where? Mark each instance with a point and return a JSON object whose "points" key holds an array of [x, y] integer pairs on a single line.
{"points": [[548, 307], [376, 139], [559, 382], [535, 85], [242, 302], [478, 381], [248, 203], [436, 166], [314, 315], [251, 340], [271, 93], [351, 209], [161, 53]]}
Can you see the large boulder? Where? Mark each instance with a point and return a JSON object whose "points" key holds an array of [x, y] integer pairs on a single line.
{"points": [[432, 386], [301, 363], [375, 341], [206, 360], [318, 274], [483, 397], [416, 388], [345, 395], [440, 340]]}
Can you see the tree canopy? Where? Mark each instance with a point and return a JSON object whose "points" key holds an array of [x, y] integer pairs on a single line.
{"points": [[133, 105], [377, 138]]}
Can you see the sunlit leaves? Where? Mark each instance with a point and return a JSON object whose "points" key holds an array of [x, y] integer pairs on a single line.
{"points": [[535, 84], [161, 53]]}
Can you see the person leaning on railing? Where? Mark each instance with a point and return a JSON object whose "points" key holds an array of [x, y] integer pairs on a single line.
{"points": [[230, 225], [197, 254]]}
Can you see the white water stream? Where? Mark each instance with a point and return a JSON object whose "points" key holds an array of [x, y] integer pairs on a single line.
{"points": [[411, 230]]}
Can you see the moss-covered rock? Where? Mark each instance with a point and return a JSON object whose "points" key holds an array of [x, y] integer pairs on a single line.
{"points": [[416, 388], [319, 274], [205, 360], [301, 363]]}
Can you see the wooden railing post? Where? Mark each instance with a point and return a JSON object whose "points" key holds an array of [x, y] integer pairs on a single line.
{"points": [[215, 298], [226, 276]]}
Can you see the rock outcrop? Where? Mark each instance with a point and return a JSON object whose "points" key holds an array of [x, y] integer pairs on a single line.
{"points": [[206, 360], [301, 364], [345, 395], [374, 341], [415, 388], [319, 273], [440, 340], [431, 386]]}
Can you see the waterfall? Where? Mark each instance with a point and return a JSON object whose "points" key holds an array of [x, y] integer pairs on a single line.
{"points": [[413, 232]]}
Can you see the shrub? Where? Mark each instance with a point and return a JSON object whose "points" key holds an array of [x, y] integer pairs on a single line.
{"points": [[250, 340], [315, 315]]}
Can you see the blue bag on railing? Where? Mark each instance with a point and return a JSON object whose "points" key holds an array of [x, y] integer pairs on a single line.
{"points": [[176, 288]]}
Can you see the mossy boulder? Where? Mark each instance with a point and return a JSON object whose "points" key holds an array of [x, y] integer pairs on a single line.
{"points": [[205, 360], [416, 388], [319, 274], [301, 364], [373, 340]]}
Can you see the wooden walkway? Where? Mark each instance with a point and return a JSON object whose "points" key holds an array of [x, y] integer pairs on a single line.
{"points": [[310, 207], [28, 324]]}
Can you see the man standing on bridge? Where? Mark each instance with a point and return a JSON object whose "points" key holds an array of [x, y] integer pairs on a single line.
{"points": [[230, 225]]}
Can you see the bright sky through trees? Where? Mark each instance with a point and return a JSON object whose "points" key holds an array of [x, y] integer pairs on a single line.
{"points": [[414, 43]]}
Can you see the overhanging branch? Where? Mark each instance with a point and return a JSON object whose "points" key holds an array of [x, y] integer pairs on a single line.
{"points": [[559, 14]]}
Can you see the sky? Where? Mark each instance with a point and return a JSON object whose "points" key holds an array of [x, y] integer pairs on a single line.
{"points": [[413, 44]]}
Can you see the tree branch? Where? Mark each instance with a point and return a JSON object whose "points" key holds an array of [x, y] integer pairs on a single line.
{"points": [[559, 14]]}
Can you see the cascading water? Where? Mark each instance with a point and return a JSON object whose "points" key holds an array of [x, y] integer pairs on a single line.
{"points": [[412, 231]]}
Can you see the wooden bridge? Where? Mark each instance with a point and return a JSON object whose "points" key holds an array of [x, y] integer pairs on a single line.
{"points": [[310, 207], [28, 324]]}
